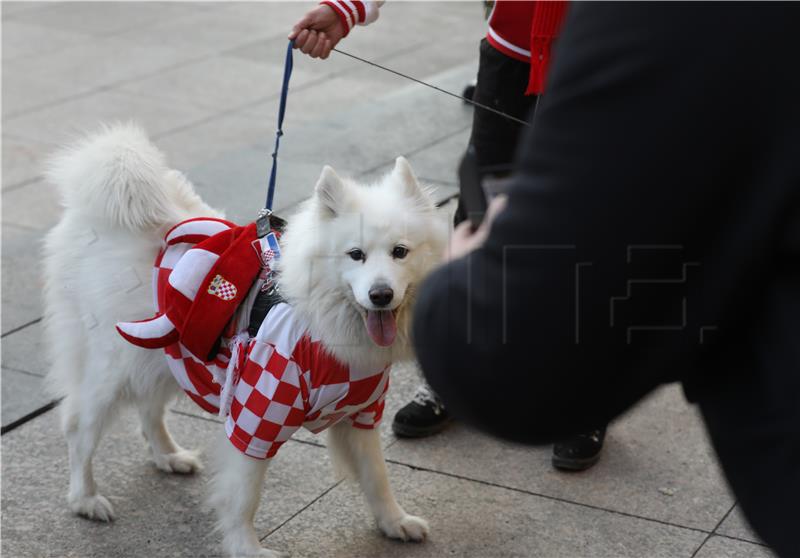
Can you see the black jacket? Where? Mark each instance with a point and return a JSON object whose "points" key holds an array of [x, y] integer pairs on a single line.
{"points": [[652, 235]]}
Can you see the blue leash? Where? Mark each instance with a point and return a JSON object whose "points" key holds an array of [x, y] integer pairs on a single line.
{"points": [[287, 74]]}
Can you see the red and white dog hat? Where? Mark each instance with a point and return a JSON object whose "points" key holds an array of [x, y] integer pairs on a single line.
{"points": [[211, 265]]}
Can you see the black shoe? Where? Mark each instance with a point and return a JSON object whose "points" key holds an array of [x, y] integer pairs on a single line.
{"points": [[424, 416], [579, 452]]}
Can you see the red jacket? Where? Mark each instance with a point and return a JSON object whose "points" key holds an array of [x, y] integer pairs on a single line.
{"points": [[526, 31], [516, 28]]}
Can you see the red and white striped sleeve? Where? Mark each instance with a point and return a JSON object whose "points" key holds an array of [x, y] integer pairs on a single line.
{"points": [[355, 12]]}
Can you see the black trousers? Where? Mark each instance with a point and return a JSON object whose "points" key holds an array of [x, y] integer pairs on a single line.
{"points": [[502, 82]]}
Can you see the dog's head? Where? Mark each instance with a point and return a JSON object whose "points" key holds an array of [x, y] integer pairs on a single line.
{"points": [[359, 251]]}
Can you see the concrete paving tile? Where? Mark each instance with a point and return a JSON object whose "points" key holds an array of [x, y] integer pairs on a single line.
{"points": [[22, 394], [198, 144], [157, 514], [389, 42], [220, 83], [24, 39], [22, 160], [306, 148], [656, 464], [21, 280], [33, 206], [437, 164], [273, 18], [423, 63], [13, 7], [65, 121], [227, 26], [24, 350], [22, 90], [346, 79], [103, 18], [402, 23], [272, 49], [440, 191], [333, 96], [326, 74], [236, 182], [83, 69], [247, 172], [413, 115], [440, 162], [475, 520], [735, 525], [352, 142], [16, 315], [327, 96], [721, 547]]}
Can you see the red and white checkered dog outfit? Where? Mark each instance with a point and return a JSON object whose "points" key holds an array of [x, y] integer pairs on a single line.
{"points": [[289, 380], [282, 378]]}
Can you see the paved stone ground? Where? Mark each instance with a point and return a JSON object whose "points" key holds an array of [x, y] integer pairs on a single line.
{"points": [[204, 79]]}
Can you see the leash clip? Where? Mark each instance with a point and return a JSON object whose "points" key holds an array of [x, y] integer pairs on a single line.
{"points": [[263, 222]]}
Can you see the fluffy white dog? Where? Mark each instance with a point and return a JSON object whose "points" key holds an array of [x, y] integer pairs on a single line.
{"points": [[119, 200]]}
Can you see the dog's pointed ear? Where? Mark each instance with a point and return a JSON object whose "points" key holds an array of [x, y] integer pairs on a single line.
{"points": [[404, 172], [421, 195], [330, 190]]}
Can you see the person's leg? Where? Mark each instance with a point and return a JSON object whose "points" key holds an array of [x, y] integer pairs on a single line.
{"points": [[501, 85]]}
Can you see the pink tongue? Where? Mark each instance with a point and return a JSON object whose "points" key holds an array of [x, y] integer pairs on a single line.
{"points": [[381, 327]]}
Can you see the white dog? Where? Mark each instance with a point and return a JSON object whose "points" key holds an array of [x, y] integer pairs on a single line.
{"points": [[119, 200]]}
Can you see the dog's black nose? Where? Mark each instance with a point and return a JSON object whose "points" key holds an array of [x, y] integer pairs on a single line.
{"points": [[381, 295]]}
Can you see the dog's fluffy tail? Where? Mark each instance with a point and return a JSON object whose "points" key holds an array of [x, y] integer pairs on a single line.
{"points": [[116, 176]]}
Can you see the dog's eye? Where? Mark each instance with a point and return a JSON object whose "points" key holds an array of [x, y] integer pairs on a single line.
{"points": [[399, 252], [357, 255]]}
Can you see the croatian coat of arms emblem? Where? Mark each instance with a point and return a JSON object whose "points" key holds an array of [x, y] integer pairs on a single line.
{"points": [[222, 288]]}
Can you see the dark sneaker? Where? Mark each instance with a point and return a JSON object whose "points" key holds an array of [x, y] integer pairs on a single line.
{"points": [[579, 452], [423, 416]]}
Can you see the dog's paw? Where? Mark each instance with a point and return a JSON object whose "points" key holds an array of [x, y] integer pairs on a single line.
{"points": [[406, 528], [242, 541], [183, 462], [95, 507]]}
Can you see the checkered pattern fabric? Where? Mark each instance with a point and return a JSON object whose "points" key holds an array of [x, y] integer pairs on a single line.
{"points": [[222, 288], [289, 380], [286, 380], [210, 265]]}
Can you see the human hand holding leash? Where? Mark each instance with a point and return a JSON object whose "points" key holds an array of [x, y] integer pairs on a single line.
{"points": [[318, 32], [465, 240]]}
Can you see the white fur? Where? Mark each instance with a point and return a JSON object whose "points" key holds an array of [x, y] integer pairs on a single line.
{"points": [[119, 199], [321, 281]]}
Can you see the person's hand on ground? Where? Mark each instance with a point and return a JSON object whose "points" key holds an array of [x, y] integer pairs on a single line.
{"points": [[318, 32], [465, 240]]}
